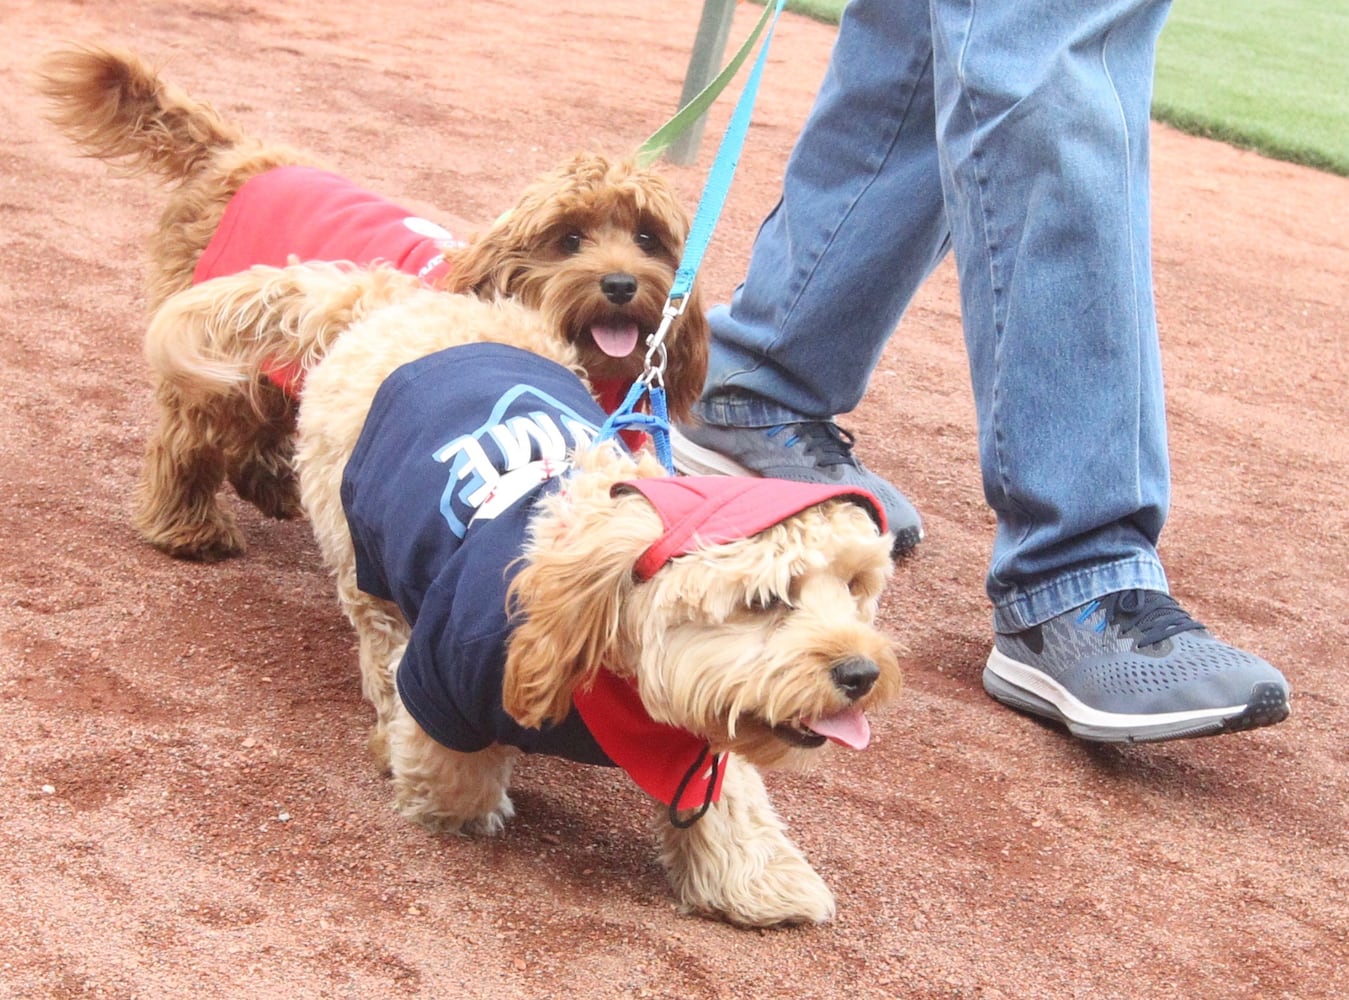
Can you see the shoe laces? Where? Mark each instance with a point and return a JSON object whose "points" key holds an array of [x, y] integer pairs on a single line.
{"points": [[1147, 616], [825, 442]]}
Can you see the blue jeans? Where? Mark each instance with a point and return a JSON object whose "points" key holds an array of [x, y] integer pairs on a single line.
{"points": [[1016, 133]]}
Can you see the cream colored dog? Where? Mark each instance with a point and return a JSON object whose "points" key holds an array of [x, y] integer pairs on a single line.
{"points": [[628, 596]]}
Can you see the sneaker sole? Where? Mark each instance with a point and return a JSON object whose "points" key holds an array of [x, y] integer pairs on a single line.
{"points": [[1021, 687], [694, 460]]}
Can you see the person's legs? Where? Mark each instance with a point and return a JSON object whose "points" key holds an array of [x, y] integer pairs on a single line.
{"points": [[858, 228], [1042, 125]]}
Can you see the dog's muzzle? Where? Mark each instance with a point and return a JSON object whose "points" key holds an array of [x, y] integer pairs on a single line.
{"points": [[854, 676]]}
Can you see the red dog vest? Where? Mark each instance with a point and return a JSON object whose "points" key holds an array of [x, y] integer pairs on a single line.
{"points": [[307, 214]]}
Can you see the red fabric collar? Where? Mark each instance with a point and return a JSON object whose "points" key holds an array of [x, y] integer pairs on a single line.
{"points": [[706, 510], [657, 756]]}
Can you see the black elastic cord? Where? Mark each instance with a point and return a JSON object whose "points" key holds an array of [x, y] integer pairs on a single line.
{"points": [[684, 824]]}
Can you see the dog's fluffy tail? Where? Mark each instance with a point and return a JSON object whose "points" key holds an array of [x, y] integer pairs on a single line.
{"points": [[114, 105], [224, 335]]}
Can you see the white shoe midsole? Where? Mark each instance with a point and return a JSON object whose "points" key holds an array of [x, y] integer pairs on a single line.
{"points": [[1040, 684], [694, 459]]}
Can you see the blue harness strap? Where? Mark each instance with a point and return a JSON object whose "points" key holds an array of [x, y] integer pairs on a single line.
{"points": [[656, 423]]}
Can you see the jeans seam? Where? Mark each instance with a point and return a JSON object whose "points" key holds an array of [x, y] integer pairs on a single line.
{"points": [[1129, 181], [996, 304]]}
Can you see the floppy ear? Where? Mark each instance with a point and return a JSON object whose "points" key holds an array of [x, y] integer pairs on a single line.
{"points": [[495, 263], [568, 600], [488, 266], [686, 368]]}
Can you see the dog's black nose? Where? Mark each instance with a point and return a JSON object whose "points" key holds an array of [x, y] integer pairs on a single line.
{"points": [[854, 676], [619, 287]]}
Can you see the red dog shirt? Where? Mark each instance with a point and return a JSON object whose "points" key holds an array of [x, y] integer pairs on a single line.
{"points": [[310, 214]]}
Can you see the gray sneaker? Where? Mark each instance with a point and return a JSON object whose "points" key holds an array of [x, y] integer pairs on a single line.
{"points": [[812, 451], [1134, 667]]}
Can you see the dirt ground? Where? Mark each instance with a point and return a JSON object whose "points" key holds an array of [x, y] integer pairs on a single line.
{"points": [[186, 805]]}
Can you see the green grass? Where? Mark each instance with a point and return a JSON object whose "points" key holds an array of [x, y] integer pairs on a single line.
{"points": [[1270, 76], [822, 10], [1273, 76]]}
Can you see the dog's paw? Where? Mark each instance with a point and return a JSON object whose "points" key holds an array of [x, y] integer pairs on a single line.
{"points": [[446, 790], [785, 891], [493, 823], [488, 824], [275, 496], [789, 891], [211, 539]]}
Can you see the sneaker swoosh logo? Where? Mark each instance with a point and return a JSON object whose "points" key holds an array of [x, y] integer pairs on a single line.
{"points": [[1034, 639]]}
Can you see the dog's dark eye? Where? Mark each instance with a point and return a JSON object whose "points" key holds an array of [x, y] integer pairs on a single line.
{"points": [[647, 242], [571, 242]]}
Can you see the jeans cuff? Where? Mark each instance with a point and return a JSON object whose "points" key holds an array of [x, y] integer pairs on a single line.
{"points": [[737, 408], [1025, 607]]}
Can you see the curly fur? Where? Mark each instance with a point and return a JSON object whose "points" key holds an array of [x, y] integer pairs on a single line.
{"points": [[584, 220], [733, 642]]}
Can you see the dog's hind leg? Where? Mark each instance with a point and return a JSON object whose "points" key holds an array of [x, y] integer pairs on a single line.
{"points": [[260, 461], [737, 862], [196, 447]]}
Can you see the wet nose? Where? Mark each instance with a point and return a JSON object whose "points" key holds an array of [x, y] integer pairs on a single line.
{"points": [[618, 287], [854, 676]]}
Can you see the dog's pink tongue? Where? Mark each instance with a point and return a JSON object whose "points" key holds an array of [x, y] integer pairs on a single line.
{"points": [[849, 727], [615, 339]]}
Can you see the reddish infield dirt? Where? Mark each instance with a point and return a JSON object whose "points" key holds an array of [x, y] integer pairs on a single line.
{"points": [[187, 807]]}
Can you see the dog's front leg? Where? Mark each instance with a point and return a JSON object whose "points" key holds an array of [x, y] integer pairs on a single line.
{"points": [[448, 791], [737, 863], [177, 509]]}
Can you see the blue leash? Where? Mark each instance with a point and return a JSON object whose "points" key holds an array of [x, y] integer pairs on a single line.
{"points": [[652, 380]]}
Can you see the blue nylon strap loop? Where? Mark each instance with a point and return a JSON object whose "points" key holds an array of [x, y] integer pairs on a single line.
{"points": [[656, 423], [661, 435]]}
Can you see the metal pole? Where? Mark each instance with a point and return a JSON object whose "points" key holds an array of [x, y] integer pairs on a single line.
{"points": [[709, 47]]}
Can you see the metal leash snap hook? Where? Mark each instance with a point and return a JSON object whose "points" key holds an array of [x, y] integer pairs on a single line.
{"points": [[657, 354]]}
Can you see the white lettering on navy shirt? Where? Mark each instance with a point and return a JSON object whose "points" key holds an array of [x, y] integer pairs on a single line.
{"points": [[517, 448]]}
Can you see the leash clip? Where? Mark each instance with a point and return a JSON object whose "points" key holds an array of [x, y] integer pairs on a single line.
{"points": [[657, 354]]}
